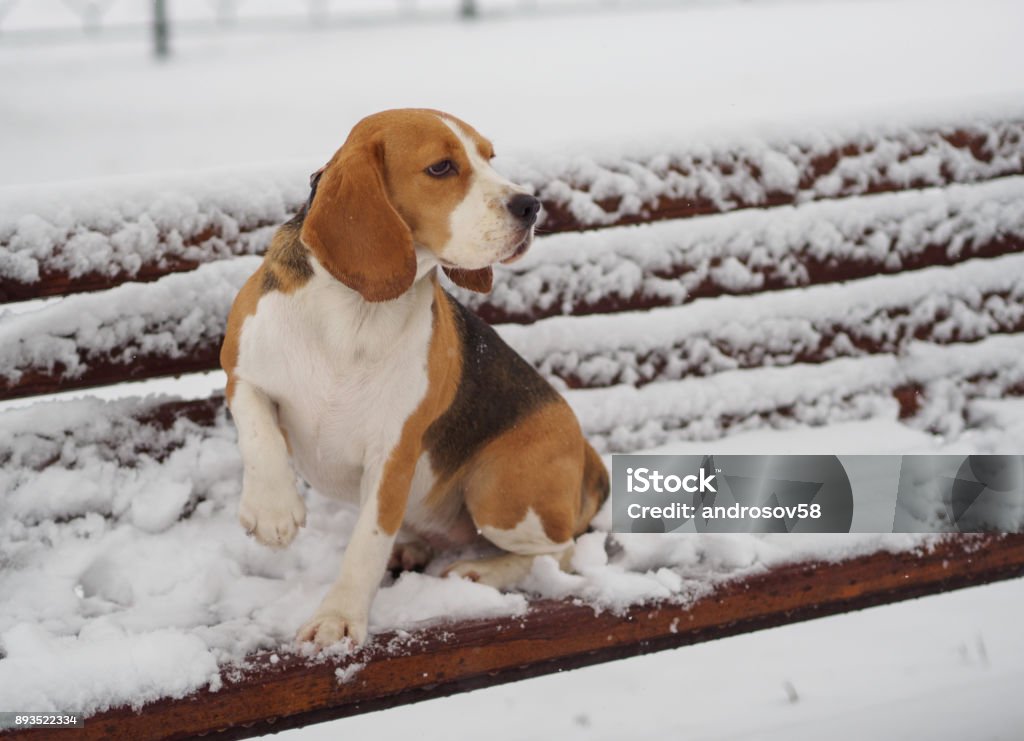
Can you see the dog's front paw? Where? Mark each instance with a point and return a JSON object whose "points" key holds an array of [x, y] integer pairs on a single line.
{"points": [[326, 629], [274, 518]]}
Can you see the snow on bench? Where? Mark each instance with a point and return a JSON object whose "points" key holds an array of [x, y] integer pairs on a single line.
{"points": [[669, 263], [88, 236], [272, 693], [175, 325], [844, 312]]}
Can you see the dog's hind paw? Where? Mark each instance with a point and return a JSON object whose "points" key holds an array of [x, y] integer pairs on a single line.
{"points": [[329, 628], [410, 556]]}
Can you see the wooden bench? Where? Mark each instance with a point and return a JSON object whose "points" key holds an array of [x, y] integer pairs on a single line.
{"points": [[908, 242]]}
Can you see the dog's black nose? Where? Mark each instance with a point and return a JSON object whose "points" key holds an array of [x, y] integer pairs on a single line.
{"points": [[524, 207]]}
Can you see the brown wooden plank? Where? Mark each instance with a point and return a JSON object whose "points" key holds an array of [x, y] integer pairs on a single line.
{"points": [[813, 170], [132, 417], [834, 337], [804, 268], [128, 367], [966, 152], [552, 636], [654, 366]]}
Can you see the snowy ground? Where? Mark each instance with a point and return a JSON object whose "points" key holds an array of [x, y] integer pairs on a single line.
{"points": [[98, 569]]}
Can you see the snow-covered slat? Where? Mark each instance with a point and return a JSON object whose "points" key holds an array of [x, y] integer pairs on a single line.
{"points": [[930, 383], [136, 330], [59, 239], [670, 263], [175, 325], [84, 236], [65, 459], [275, 693], [650, 182], [118, 446], [62, 441], [878, 315]]}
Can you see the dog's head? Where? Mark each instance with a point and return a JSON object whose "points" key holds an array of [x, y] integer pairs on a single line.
{"points": [[415, 178]]}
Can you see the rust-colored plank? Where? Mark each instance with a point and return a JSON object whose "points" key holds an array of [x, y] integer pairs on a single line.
{"points": [[702, 422], [551, 637], [834, 334], [118, 368], [803, 268], [965, 153]]}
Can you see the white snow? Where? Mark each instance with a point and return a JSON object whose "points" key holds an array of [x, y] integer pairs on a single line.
{"points": [[136, 668], [119, 227], [115, 226], [349, 673], [885, 314], [172, 317], [180, 313], [741, 252], [84, 568], [624, 418]]}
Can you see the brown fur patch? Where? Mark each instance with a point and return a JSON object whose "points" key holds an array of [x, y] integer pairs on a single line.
{"points": [[243, 306], [535, 465], [596, 487], [480, 281], [443, 370]]}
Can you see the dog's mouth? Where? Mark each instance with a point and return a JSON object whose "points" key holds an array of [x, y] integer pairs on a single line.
{"points": [[520, 249]]}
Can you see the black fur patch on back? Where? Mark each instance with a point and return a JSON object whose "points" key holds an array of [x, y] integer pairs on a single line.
{"points": [[270, 281], [293, 257], [287, 257], [497, 388], [314, 182]]}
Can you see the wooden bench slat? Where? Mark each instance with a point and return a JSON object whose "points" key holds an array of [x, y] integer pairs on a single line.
{"points": [[174, 326], [670, 263], [885, 315], [641, 348], [68, 239], [618, 419], [553, 636]]}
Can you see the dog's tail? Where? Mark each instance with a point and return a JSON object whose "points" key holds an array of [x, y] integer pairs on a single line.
{"points": [[594, 489]]}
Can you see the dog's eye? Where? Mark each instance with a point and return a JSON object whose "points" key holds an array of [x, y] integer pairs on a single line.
{"points": [[441, 169]]}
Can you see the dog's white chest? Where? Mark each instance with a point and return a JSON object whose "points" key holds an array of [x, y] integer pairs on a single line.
{"points": [[345, 375]]}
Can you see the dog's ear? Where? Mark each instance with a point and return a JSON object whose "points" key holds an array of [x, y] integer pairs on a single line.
{"points": [[481, 280], [355, 232]]}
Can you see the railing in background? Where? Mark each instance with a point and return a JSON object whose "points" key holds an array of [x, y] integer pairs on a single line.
{"points": [[58, 21]]}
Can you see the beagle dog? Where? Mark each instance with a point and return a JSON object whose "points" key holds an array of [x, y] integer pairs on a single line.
{"points": [[348, 361]]}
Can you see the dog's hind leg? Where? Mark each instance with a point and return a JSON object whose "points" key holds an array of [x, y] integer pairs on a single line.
{"points": [[525, 494], [504, 571]]}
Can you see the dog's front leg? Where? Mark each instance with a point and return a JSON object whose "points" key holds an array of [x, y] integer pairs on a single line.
{"points": [[270, 508], [345, 610]]}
